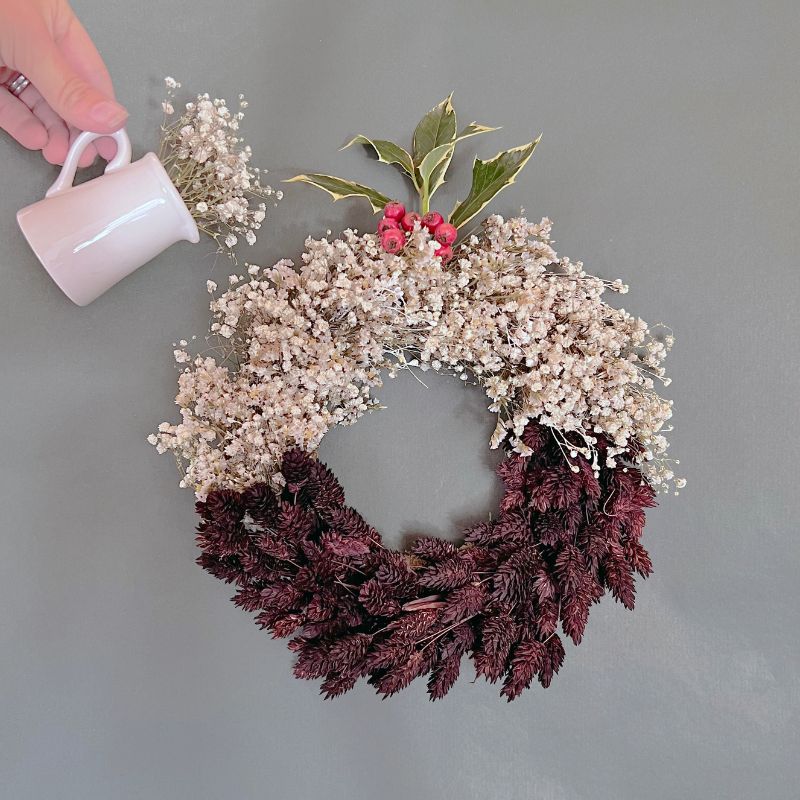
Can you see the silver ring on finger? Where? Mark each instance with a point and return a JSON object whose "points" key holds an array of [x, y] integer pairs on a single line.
{"points": [[18, 85]]}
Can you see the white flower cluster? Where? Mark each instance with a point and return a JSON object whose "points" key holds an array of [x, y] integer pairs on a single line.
{"points": [[210, 166], [298, 351]]}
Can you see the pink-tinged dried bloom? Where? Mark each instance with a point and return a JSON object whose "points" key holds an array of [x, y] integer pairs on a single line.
{"points": [[297, 351], [209, 163]]}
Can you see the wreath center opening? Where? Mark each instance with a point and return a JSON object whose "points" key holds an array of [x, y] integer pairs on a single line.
{"points": [[440, 475]]}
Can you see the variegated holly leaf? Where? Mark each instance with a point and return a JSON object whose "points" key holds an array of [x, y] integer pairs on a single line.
{"points": [[432, 161], [437, 176], [338, 188], [436, 128], [473, 129], [489, 178], [388, 153]]}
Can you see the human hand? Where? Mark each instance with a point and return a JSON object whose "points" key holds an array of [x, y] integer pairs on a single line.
{"points": [[70, 89]]}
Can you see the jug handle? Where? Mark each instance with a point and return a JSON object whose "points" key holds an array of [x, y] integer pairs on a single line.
{"points": [[67, 174]]}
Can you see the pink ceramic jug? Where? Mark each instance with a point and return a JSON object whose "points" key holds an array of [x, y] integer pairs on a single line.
{"points": [[91, 236]]}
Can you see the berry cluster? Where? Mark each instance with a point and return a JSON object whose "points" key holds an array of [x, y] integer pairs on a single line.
{"points": [[396, 224], [310, 567]]}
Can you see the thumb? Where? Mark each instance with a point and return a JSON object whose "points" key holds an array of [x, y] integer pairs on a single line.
{"points": [[77, 102]]}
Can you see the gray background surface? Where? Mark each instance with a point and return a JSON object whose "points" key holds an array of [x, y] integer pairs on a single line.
{"points": [[670, 159]]}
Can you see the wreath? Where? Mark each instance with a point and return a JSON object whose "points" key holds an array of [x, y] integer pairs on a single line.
{"points": [[295, 351]]}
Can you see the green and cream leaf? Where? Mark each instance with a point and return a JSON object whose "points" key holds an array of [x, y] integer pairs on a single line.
{"points": [[474, 129], [388, 153], [338, 189], [433, 160], [436, 128], [437, 176], [489, 178]]}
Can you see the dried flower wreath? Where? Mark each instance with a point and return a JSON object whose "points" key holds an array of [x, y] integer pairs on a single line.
{"points": [[296, 351]]}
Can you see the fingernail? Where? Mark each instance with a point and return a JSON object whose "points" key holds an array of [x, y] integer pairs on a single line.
{"points": [[108, 113]]}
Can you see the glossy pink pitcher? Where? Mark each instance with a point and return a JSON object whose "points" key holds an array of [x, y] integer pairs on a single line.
{"points": [[91, 236]]}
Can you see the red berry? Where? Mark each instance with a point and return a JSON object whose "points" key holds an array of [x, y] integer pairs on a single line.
{"points": [[394, 210], [432, 220], [409, 219], [445, 234], [445, 252], [386, 224], [393, 240]]}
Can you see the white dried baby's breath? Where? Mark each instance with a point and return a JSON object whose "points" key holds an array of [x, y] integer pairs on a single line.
{"points": [[209, 163], [298, 351]]}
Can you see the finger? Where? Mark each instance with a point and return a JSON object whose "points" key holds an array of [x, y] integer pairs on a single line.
{"points": [[89, 154], [17, 120], [57, 144], [88, 157], [80, 51], [107, 148], [66, 91]]}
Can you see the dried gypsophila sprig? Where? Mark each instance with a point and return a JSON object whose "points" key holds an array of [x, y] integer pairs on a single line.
{"points": [[209, 164], [298, 351]]}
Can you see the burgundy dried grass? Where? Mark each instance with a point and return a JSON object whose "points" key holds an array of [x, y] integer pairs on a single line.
{"points": [[313, 569]]}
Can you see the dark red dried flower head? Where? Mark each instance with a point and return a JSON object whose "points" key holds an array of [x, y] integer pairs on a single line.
{"points": [[310, 567]]}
